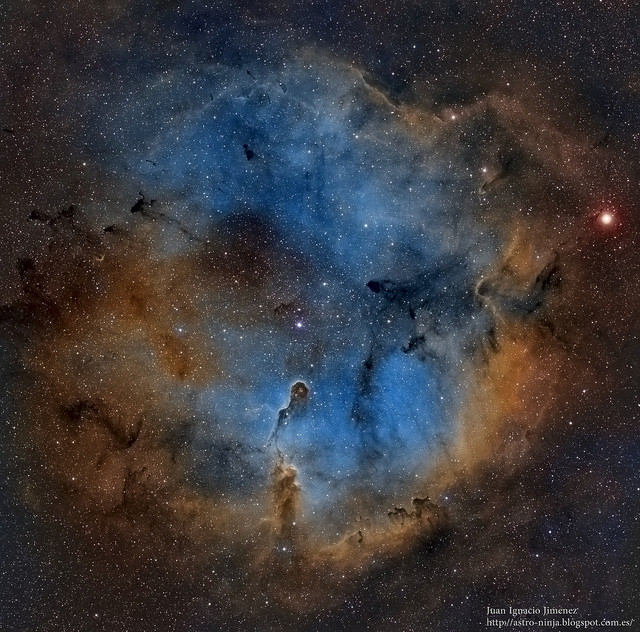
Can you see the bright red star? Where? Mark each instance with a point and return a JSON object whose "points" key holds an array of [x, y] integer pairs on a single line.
{"points": [[606, 218]]}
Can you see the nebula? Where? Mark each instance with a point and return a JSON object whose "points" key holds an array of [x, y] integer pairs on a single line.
{"points": [[318, 317]]}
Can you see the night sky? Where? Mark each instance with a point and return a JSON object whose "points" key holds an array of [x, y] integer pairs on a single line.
{"points": [[318, 316]]}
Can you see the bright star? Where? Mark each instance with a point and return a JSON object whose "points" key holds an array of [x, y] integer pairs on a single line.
{"points": [[606, 218]]}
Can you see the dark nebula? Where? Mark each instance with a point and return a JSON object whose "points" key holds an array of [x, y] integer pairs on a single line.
{"points": [[318, 316]]}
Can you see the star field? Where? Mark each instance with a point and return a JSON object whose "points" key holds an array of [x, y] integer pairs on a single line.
{"points": [[318, 317]]}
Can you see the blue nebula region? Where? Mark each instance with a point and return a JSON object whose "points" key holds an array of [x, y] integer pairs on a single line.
{"points": [[348, 360]]}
